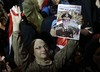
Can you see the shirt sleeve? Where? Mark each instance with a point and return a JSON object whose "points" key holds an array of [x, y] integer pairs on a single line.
{"points": [[20, 54], [64, 54]]}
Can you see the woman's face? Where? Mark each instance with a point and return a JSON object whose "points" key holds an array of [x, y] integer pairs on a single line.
{"points": [[40, 49]]}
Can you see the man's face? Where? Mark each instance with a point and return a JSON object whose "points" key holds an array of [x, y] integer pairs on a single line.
{"points": [[56, 2], [40, 49], [66, 20]]}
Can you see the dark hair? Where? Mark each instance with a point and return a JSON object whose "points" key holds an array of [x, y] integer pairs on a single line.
{"points": [[31, 51], [3, 15], [64, 15], [31, 46], [2, 66]]}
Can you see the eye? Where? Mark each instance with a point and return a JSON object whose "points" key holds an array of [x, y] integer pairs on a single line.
{"points": [[38, 47], [45, 46]]}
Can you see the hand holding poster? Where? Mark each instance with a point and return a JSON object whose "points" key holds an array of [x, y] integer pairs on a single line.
{"points": [[69, 20]]}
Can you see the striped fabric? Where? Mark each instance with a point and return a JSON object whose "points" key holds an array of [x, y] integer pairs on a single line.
{"points": [[10, 32]]}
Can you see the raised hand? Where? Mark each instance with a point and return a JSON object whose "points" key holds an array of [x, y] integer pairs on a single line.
{"points": [[16, 17]]}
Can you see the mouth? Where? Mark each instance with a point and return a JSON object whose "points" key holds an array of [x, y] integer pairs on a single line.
{"points": [[44, 53]]}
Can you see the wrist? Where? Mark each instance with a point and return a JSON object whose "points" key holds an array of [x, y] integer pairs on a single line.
{"points": [[15, 28]]}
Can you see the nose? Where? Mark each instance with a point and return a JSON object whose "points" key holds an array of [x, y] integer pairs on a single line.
{"points": [[43, 49]]}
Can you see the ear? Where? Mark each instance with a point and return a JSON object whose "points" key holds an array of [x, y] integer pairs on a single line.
{"points": [[40, 2]]}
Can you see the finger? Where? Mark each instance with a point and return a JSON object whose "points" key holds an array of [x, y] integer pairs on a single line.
{"points": [[11, 13], [14, 8], [19, 11]]}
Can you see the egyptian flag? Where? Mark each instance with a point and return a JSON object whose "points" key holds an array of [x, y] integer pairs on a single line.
{"points": [[10, 32], [45, 3], [10, 29], [62, 42]]}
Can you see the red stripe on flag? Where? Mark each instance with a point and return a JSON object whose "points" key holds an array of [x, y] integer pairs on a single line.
{"points": [[10, 32], [45, 3], [62, 41], [10, 25]]}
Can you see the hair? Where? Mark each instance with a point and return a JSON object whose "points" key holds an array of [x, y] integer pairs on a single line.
{"points": [[32, 46], [3, 15], [31, 51], [64, 15], [2, 66]]}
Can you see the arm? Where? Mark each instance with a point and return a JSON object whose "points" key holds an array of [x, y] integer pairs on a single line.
{"points": [[64, 54], [20, 54]]}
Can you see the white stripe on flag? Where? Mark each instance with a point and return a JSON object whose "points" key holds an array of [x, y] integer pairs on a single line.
{"points": [[10, 43]]}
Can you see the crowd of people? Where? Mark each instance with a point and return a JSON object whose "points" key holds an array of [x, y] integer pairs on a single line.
{"points": [[27, 45]]}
